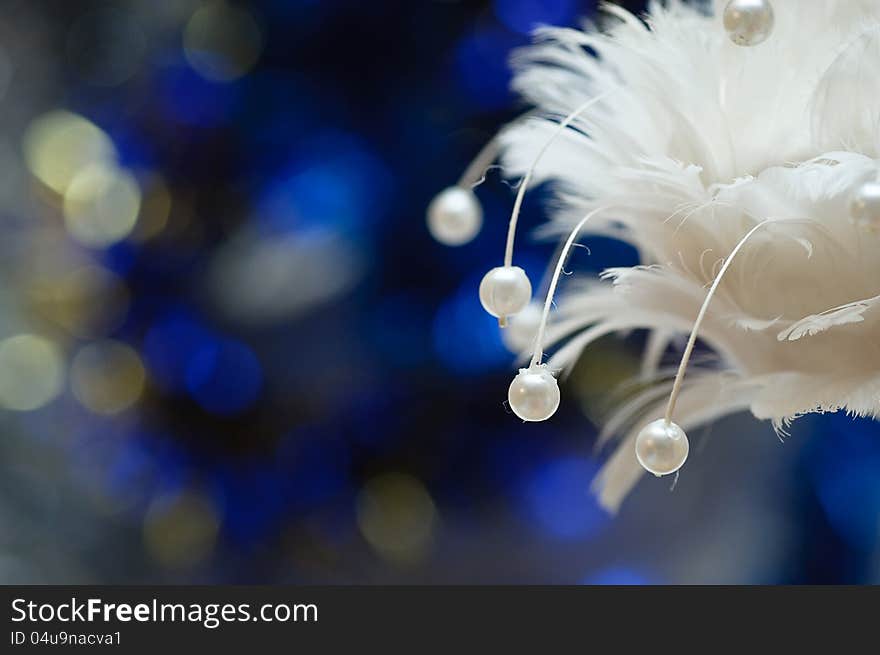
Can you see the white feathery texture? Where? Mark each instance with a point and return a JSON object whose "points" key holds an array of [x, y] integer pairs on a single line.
{"points": [[696, 142]]}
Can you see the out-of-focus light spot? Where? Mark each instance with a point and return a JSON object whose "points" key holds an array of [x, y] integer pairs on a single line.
{"points": [[107, 377], [87, 301], [188, 98], [617, 576], [523, 16], [101, 205], [106, 47], [611, 365], [251, 497], [339, 184], [31, 372], [222, 42], [119, 257], [181, 530], [556, 497], [155, 207], [466, 338], [224, 376], [169, 346], [258, 279], [396, 515], [846, 471], [59, 145], [482, 65]]}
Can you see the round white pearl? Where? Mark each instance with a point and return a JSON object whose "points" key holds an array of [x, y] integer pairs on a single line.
{"points": [[534, 394], [505, 291], [748, 22], [520, 333], [865, 206], [662, 447], [455, 216]]}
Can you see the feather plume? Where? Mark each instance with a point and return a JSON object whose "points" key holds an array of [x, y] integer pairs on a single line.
{"points": [[694, 143]]}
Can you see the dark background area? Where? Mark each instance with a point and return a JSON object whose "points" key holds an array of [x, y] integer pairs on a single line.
{"points": [[272, 373]]}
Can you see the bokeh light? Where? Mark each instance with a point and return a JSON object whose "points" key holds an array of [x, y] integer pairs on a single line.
{"points": [[524, 16], [466, 339], [187, 98], [85, 300], [155, 209], [556, 497], [224, 376], [60, 144], [107, 377], [223, 320], [334, 183], [618, 576], [170, 344], [101, 205], [261, 278], [397, 516], [222, 42], [106, 46], [180, 530], [845, 464], [31, 372], [482, 65]]}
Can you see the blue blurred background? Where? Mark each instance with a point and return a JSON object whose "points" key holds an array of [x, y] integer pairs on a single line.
{"points": [[230, 352]]}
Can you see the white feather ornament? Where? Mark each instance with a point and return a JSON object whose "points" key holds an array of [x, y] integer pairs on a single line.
{"points": [[726, 167]]}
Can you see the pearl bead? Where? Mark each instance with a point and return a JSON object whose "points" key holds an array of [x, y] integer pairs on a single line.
{"points": [[748, 22], [534, 394], [865, 206], [455, 216], [662, 447], [505, 291], [520, 333]]}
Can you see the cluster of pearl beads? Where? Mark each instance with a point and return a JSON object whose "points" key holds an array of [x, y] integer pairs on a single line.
{"points": [[455, 217]]}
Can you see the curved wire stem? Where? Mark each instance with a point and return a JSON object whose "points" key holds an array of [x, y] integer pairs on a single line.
{"points": [[551, 291], [689, 348], [475, 173], [521, 192]]}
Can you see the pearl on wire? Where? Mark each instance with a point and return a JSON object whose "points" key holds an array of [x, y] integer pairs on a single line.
{"points": [[865, 206], [662, 447], [534, 393], [455, 216], [489, 279], [505, 291], [748, 22]]}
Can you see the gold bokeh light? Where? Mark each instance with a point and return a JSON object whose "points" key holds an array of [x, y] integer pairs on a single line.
{"points": [[31, 372], [222, 42], [101, 205], [59, 144], [181, 530], [107, 377], [396, 515]]}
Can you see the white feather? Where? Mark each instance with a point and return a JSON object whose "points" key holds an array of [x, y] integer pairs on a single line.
{"points": [[695, 142]]}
